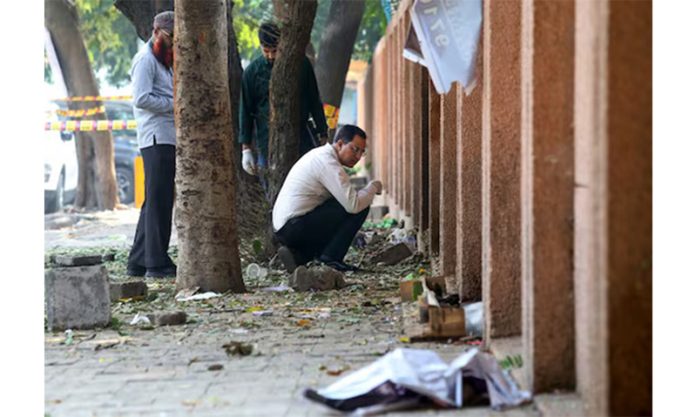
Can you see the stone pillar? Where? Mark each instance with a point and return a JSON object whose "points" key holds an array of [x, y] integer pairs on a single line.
{"points": [[390, 114], [547, 194], [383, 111], [448, 190], [417, 160], [408, 142], [613, 278], [468, 192], [398, 89], [434, 177], [501, 287], [423, 199]]}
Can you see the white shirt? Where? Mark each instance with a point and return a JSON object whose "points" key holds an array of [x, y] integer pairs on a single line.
{"points": [[315, 178]]}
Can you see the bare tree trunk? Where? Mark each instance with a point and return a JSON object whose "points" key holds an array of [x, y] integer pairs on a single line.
{"points": [[142, 12], [336, 48], [296, 19], [95, 150], [205, 204]]}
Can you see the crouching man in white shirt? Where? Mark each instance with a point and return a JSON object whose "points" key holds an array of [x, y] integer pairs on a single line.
{"points": [[318, 213]]}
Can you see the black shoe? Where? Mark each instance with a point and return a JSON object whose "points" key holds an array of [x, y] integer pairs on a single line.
{"points": [[161, 272], [339, 265], [287, 258], [136, 271]]}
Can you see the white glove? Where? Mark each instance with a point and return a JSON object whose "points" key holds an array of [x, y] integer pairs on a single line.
{"points": [[377, 185], [248, 162]]}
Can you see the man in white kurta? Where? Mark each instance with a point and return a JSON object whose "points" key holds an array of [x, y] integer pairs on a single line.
{"points": [[318, 213]]}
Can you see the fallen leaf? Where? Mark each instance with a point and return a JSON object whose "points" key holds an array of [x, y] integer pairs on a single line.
{"points": [[304, 323], [337, 371]]}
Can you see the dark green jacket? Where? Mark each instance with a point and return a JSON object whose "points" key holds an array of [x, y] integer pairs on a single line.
{"points": [[254, 107]]}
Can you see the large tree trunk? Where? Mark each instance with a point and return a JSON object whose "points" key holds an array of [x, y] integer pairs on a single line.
{"points": [[250, 202], [205, 205], [142, 12], [336, 48], [95, 150], [296, 18]]}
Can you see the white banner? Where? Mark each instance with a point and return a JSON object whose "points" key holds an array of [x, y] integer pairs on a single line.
{"points": [[448, 33]]}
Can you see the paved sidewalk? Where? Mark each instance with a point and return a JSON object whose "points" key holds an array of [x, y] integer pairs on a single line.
{"points": [[165, 371]]}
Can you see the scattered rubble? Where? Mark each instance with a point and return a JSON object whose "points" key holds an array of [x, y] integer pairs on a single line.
{"points": [[235, 348], [392, 255], [320, 278], [128, 289], [167, 319]]}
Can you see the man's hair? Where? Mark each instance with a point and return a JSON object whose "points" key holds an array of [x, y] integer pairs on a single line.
{"points": [[347, 132], [269, 34], [164, 20]]}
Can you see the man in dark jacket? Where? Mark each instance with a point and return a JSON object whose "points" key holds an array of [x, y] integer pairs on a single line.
{"points": [[255, 105]]}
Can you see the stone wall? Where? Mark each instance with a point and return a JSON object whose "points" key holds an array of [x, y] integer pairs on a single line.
{"points": [[533, 193]]}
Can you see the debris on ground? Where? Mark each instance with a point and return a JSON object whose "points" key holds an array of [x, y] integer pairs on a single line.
{"points": [[392, 255], [129, 289], [167, 319], [278, 288], [235, 348], [256, 272], [320, 278], [68, 337], [192, 294], [408, 378], [140, 319]]}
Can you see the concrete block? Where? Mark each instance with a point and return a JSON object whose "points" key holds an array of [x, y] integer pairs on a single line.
{"points": [[82, 260], [322, 278], [393, 255], [167, 319], [130, 289], [77, 297]]}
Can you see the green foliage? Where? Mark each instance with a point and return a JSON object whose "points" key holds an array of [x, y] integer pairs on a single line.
{"points": [[386, 223], [110, 38], [372, 28], [248, 16], [258, 247], [511, 362]]}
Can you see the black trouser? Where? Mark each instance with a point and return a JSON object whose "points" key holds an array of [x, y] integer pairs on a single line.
{"points": [[325, 232], [155, 223]]}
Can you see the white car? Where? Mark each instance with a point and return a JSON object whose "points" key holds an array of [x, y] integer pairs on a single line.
{"points": [[60, 165]]}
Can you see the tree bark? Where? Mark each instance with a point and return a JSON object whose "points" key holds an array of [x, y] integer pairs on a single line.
{"points": [[205, 204], [336, 48], [296, 19], [95, 150], [250, 202], [142, 12]]}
